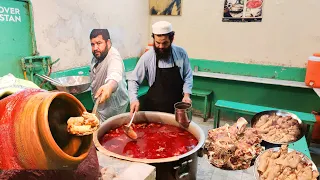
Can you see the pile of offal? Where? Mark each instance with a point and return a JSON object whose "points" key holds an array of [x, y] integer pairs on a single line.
{"points": [[233, 147]]}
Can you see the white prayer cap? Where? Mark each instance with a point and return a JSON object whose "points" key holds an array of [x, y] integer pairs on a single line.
{"points": [[161, 27]]}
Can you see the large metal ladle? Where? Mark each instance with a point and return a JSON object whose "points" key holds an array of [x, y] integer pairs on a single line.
{"points": [[128, 129], [95, 107], [76, 140]]}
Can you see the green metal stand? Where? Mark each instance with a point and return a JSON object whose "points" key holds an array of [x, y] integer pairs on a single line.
{"points": [[37, 65]]}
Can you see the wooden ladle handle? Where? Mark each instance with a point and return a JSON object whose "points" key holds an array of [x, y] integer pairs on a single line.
{"points": [[95, 107]]}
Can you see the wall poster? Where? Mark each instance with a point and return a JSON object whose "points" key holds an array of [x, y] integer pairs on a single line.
{"points": [[165, 7], [242, 11]]}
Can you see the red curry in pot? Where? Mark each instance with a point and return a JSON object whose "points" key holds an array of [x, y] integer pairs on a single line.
{"points": [[154, 141]]}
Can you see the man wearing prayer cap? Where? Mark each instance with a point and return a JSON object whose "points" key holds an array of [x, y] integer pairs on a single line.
{"points": [[167, 70]]}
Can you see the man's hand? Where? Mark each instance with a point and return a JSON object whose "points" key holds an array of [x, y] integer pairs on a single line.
{"points": [[186, 99], [104, 92], [134, 107]]}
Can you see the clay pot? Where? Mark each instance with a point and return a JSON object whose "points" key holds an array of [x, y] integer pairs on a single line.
{"points": [[33, 131]]}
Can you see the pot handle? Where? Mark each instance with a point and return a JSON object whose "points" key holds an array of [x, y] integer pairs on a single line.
{"points": [[182, 171], [96, 148]]}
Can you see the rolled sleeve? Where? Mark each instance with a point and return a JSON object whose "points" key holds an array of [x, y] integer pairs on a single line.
{"points": [[188, 76], [135, 79], [114, 76], [115, 70], [133, 90]]}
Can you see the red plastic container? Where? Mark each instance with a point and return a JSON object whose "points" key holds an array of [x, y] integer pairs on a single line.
{"points": [[313, 71]]}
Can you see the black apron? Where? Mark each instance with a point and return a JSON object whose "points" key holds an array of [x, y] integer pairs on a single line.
{"points": [[166, 90]]}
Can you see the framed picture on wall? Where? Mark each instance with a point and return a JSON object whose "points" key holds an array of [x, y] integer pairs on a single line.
{"points": [[165, 7], [242, 11]]}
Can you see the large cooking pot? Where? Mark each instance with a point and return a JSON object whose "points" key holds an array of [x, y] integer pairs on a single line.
{"points": [[33, 131], [172, 168]]}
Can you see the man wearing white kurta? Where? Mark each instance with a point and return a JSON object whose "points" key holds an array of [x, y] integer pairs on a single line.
{"points": [[107, 75]]}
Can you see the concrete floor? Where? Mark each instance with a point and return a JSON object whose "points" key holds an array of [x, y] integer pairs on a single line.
{"points": [[208, 172]]}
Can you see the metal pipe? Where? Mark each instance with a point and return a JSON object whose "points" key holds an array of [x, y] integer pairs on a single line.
{"points": [[25, 75], [31, 69], [49, 79], [34, 43], [36, 57]]}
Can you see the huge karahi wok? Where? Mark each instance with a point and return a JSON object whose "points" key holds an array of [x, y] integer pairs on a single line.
{"points": [[170, 168]]}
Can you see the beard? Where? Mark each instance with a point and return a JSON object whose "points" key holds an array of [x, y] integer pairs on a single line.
{"points": [[102, 55], [163, 53]]}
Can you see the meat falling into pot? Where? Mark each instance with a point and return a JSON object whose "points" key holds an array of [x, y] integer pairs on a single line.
{"points": [[155, 140], [233, 147]]}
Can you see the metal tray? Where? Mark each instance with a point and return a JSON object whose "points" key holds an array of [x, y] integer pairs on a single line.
{"points": [[303, 127], [304, 157], [73, 84]]}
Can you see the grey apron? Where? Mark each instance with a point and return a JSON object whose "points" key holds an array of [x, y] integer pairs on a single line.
{"points": [[118, 101]]}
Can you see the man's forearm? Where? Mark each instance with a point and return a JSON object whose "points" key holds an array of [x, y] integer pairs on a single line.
{"points": [[186, 95], [112, 84], [133, 90], [188, 76], [187, 87]]}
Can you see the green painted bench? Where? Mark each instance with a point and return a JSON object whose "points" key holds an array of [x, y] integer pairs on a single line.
{"points": [[207, 94], [249, 109]]}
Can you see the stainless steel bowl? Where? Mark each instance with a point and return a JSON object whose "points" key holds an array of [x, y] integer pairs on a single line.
{"points": [[73, 84], [183, 113], [303, 127]]}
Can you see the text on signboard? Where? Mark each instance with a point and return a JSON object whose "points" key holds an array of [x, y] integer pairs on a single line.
{"points": [[9, 14]]}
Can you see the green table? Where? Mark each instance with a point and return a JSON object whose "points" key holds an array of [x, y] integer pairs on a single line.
{"points": [[301, 146]]}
